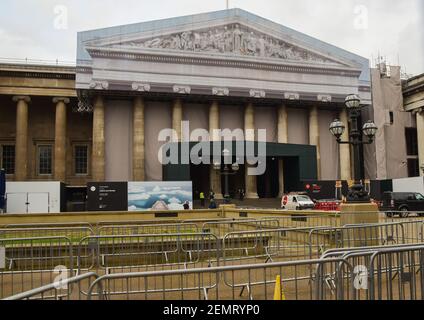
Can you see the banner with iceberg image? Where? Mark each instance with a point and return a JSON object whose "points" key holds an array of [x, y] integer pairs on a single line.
{"points": [[160, 195]]}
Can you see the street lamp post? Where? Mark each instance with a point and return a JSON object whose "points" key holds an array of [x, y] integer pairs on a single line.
{"points": [[226, 170], [337, 128]]}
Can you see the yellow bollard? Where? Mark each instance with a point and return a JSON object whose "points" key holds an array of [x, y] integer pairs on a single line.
{"points": [[278, 291]]}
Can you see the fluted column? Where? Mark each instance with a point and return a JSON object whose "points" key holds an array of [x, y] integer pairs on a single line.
{"points": [[249, 124], [177, 117], [98, 158], [314, 136], [283, 137], [138, 140], [420, 133], [215, 177], [344, 149], [21, 157], [60, 139]]}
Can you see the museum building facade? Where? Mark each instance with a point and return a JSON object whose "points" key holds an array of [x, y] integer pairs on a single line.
{"points": [[228, 69]]}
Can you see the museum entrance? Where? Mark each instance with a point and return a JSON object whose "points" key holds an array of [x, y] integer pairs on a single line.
{"points": [[299, 164], [268, 183], [199, 175]]}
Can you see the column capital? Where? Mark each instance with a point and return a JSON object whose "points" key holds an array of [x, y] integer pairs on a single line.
{"points": [[61, 99], [27, 99]]}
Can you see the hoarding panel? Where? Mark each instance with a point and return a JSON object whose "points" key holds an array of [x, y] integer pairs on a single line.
{"points": [[160, 195]]}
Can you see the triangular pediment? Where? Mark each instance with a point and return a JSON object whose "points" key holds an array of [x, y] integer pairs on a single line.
{"points": [[232, 39]]}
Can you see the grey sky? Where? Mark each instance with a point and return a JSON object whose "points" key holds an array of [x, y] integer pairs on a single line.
{"points": [[394, 28]]}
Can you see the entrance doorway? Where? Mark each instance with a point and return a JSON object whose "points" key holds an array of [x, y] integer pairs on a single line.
{"points": [[199, 175], [268, 185]]}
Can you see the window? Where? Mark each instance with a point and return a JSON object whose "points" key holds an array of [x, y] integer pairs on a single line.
{"points": [[8, 158], [45, 159], [392, 117], [413, 168], [81, 159], [419, 196], [411, 141], [412, 152]]}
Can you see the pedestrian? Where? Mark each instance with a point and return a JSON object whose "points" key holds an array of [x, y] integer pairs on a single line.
{"points": [[241, 194], [212, 205], [212, 195], [202, 199], [186, 205]]}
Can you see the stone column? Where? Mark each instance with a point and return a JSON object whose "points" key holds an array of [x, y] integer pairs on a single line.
{"points": [[215, 177], [138, 140], [314, 136], [177, 117], [283, 137], [98, 158], [60, 139], [249, 124], [344, 149], [21, 147], [420, 134]]}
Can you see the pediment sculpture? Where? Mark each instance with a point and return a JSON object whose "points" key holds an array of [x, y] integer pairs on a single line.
{"points": [[233, 39]]}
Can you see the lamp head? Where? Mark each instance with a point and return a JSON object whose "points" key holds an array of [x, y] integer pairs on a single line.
{"points": [[369, 129], [337, 128], [353, 101]]}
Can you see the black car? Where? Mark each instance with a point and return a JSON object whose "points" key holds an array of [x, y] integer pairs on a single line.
{"points": [[402, 203]]}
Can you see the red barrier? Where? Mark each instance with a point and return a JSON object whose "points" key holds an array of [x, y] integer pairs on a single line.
{"points": [[329, 205]]}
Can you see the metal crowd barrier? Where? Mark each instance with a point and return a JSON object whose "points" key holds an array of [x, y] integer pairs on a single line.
{"points": [[383, 273], [208, 283], [26, 263], [49, 225], [223, 227], [349, 236], [32, 254], [308, 221], [60, 290], [148, 229], [75, 234], [387, 272], [112, 253], [136, 222], [366, 273], [265, 245]]}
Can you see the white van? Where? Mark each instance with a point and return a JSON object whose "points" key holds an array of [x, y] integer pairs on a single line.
{"points": [[296, 202]]}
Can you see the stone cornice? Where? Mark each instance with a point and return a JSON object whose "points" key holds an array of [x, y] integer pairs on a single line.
{"points": [[35, 71], [227, 61], [36, 74]]}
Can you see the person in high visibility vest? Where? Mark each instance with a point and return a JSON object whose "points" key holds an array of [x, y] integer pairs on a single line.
{"points": [[202, 199]]}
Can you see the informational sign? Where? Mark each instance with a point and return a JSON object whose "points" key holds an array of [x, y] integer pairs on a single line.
{"points": [[107, 196], [2, 258], [159, 196]]}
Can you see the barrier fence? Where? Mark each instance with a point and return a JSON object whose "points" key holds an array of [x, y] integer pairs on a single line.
{"points": [[29, 256], [113, 253], [383, 273], [65, 289], [208, 283], [386, 273], [27, 263]]}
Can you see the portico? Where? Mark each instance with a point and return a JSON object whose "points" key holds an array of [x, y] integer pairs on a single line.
{"points": [[224, 70]]}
